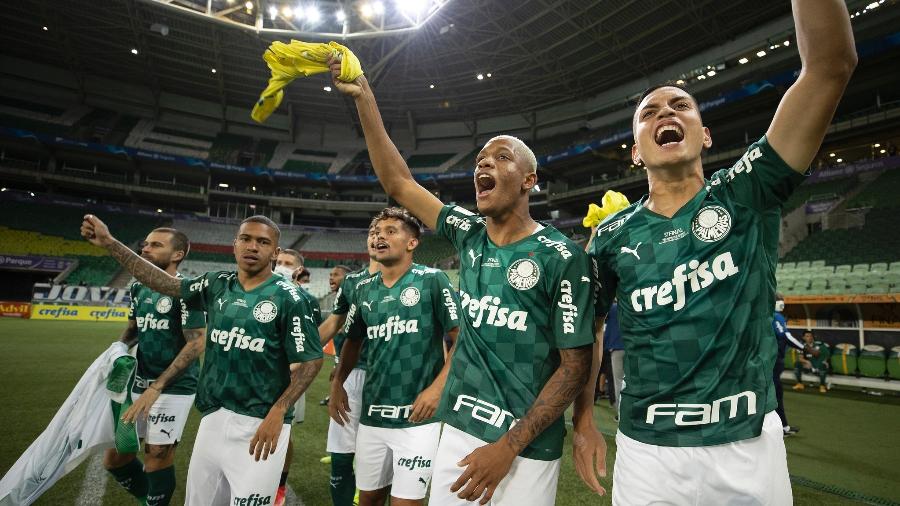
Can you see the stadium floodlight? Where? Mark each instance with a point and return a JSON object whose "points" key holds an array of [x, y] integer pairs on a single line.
{"points": [[249, 5], [378, 7], [312, 14], [831, 155], [431, 86], [340, 15], [366, 10], [489, 74], [287, 12], [760, 53], [273, 12], [158, 210], [743, 60], [839, 160], [212, 70], [873, 5], [134, 50], [876, 145], [327, 88], [479, 77], [786, 43], [44, 28], [412, 7], [711, 73], [223, 185], [701, 77], [679, 82], [883, 151]]}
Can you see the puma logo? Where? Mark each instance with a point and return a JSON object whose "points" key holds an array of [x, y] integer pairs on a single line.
{"points": [[221, 302], [474, 257], [626, 249], [166, 432], [310, 318], [368, 305], [420, 478]]}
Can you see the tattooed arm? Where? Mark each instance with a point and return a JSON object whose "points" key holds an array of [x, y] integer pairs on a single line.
{"points": [[195, 343], [265, 440], [96, 232], [487, 465]]}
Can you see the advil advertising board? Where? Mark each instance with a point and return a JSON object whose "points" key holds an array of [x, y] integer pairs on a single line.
{"points": [[15, 309]]}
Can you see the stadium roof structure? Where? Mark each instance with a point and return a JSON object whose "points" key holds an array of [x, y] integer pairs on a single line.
{"points": [[471, 59]]}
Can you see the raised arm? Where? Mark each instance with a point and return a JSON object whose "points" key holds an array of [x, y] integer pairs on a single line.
{"points": [[828, 57], [389, 165], [96, 232], [331, 326]]}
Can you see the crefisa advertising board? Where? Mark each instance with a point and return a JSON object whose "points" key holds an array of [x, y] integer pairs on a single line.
{"points": [[79, 303]]}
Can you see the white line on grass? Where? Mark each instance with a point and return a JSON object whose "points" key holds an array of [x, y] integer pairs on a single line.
{"points": [[291, 498], [93, 487]]}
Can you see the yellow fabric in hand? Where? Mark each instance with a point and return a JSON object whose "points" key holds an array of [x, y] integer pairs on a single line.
{"points": [[300, 59], [613, 202]]}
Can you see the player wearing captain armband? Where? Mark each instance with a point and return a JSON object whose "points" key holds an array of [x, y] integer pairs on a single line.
{"points": [[692, 265]]}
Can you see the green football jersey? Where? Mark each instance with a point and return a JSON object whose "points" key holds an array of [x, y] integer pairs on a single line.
{"points": [[313, 304], [160, 320], [695, 296], [403, 327], [521, 304], [824, 354], [342, 306], [252, 337]]}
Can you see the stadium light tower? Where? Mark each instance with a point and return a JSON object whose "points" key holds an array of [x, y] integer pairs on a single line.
{"points": [[317, 19]]}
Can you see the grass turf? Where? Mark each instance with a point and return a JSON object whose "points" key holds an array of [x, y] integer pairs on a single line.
{"points": [[845, 441]]}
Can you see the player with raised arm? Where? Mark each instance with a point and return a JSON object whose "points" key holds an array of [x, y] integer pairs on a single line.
{"points": [[262, 353], [401, 313], [693, 267], [341, 443], [524, 351], [169, 339]]}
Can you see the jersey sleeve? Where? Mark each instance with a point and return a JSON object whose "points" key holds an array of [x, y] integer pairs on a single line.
{"points": [[132, 294], [341, 304], [605, 280], [191, 318], [455, 223], [195, 292], [354, 327], [301, 341], [445, 301], [572, 309], [760, 179]]}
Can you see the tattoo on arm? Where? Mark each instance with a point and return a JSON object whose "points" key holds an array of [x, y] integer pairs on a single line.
{"points": [[561, 389], [194, 345], [302, 374], [145, 272], [129, 334]]}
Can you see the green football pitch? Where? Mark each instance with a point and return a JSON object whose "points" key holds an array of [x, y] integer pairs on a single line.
{"points": [[846, 452]]}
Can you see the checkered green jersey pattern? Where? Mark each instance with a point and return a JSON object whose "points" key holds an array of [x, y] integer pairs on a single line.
{"points": [[403, 327], [160, 320], [252, 337], [313, 304], [521, 303], [695, 296], [342, 306], [824, 354]]}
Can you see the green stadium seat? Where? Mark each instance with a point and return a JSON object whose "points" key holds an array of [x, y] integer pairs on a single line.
{"points": [[856, 288], [893, 363], [895, 266], [878, 289], [843, 359], [860, 267], [843, 269], [872, 363], [878, 267], [789, 266], [818, 285], [817, 263], [803, 265]]}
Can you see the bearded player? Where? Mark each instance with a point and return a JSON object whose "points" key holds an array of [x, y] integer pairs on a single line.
{"points": [[169, 339], [693, 266], [401, 313], [262, 353], [525, 345]]}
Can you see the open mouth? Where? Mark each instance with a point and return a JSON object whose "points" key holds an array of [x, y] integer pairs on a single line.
{"points": [[484, 184], [382, 246], [669, 135]]}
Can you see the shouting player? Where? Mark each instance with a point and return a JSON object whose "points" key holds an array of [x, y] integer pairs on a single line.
{"points": [[525, 348], [169, 339], [693, 266], [341, 443], [402, 313], [262, 353]]}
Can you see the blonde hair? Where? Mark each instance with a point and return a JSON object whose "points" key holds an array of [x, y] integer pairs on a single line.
{"points": [[522, 148]]}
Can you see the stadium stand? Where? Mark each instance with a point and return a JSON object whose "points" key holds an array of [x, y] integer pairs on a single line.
{"points": [[881, 193], [148, 135], [826, 189], [222, 234]]}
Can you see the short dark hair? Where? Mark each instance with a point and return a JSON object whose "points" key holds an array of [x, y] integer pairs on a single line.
{"points": [[179, 240], [343, 268], [258, 218], [398, 213], [296, 254]]}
